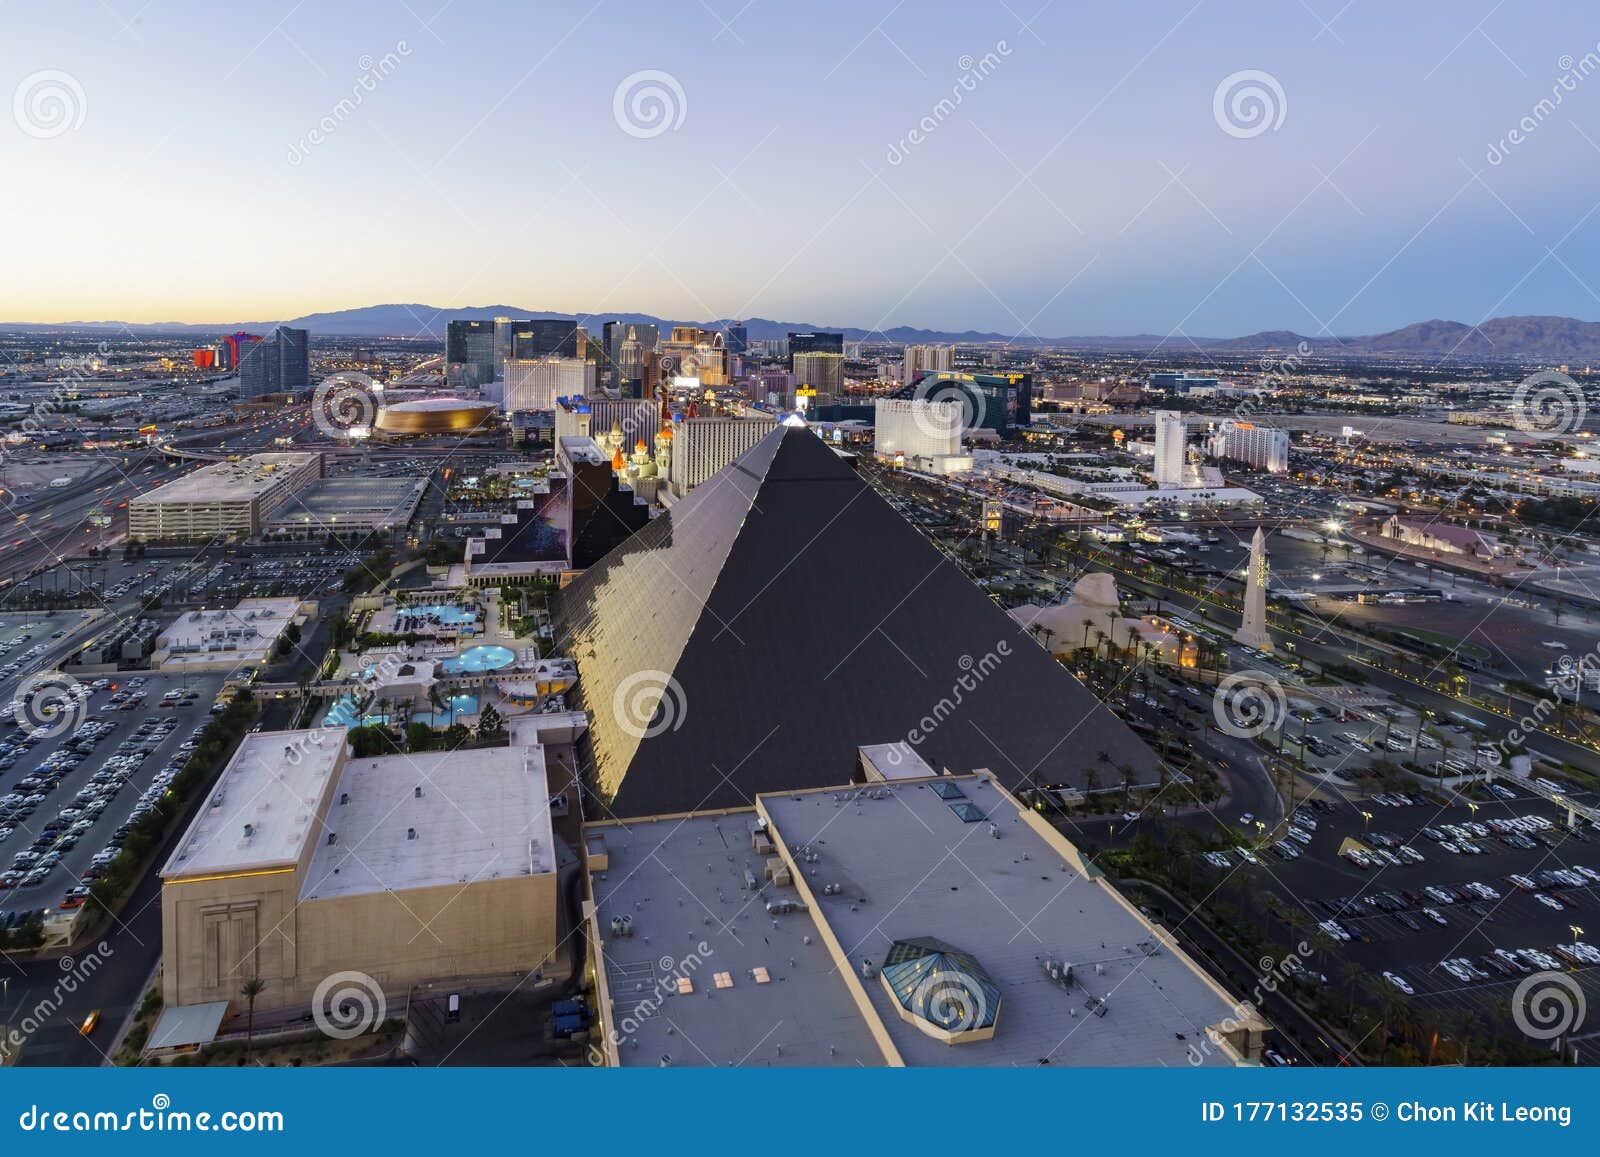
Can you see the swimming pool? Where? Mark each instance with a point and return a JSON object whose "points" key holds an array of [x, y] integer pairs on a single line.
{"points": [[458, 707], [476, 660], [442, 614], [343, 714]]}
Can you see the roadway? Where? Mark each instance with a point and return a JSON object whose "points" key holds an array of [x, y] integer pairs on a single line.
{"points": [[128, 953], [52, 524]]}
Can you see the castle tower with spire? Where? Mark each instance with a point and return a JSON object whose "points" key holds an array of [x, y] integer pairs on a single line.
{"points": [[664, 449]]}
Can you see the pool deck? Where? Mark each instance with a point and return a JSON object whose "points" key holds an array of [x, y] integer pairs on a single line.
{"points": [[439, 653], [385, 620], [472, 660]]}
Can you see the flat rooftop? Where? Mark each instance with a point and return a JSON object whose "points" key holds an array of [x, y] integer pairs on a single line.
{"points": [[482, 814], [363, 501], [251, 625], [273, 784], [897, 760], [581, 449], [682, 883], [907, 865], [230, 481]]}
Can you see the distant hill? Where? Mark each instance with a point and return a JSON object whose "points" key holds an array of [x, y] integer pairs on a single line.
{"points": [[1508, 339]]}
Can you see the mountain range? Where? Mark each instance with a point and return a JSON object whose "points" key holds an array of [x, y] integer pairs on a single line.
{"points": [[1501, 339]]}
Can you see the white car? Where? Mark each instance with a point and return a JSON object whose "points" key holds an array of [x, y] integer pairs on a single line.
{"points": [[1400, 983]]}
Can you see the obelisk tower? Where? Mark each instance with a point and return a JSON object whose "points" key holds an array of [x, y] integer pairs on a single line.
{"points": [[1253, 631]]}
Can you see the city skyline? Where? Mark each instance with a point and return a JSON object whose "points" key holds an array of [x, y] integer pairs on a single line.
{"points": [[958, 538], [1144, 200]]}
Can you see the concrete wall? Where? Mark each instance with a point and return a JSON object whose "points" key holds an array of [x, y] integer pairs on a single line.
{"points": [[402, 938], [397, 938], [265, 907]]}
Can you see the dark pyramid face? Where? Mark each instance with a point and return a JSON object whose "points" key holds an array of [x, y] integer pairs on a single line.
{"points": [[783, 614]]}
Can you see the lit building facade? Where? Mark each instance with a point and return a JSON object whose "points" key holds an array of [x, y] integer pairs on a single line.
{"points": [[927, 357], [1169, 448], [535, 384], [1262, 447], [469, 352], [598, 418], [228, 499], [702, 446], [822, 372], [924, 435]]}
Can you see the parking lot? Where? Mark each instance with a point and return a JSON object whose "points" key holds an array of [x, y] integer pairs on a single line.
{"points": [[68, 789], [1351, 744], [205, 580], [27, 640], [303, 575], [1453, 906]]}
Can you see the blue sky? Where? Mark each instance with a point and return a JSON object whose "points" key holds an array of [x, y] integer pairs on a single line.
{"points": [[1083, 185]]}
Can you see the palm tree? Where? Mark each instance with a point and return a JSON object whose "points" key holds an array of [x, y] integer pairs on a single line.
{"points": [[252, 988]]}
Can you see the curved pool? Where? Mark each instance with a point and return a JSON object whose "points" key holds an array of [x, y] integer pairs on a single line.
{"points": [[343, 713], [445, 614], [456, 709], [475, 660]]}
